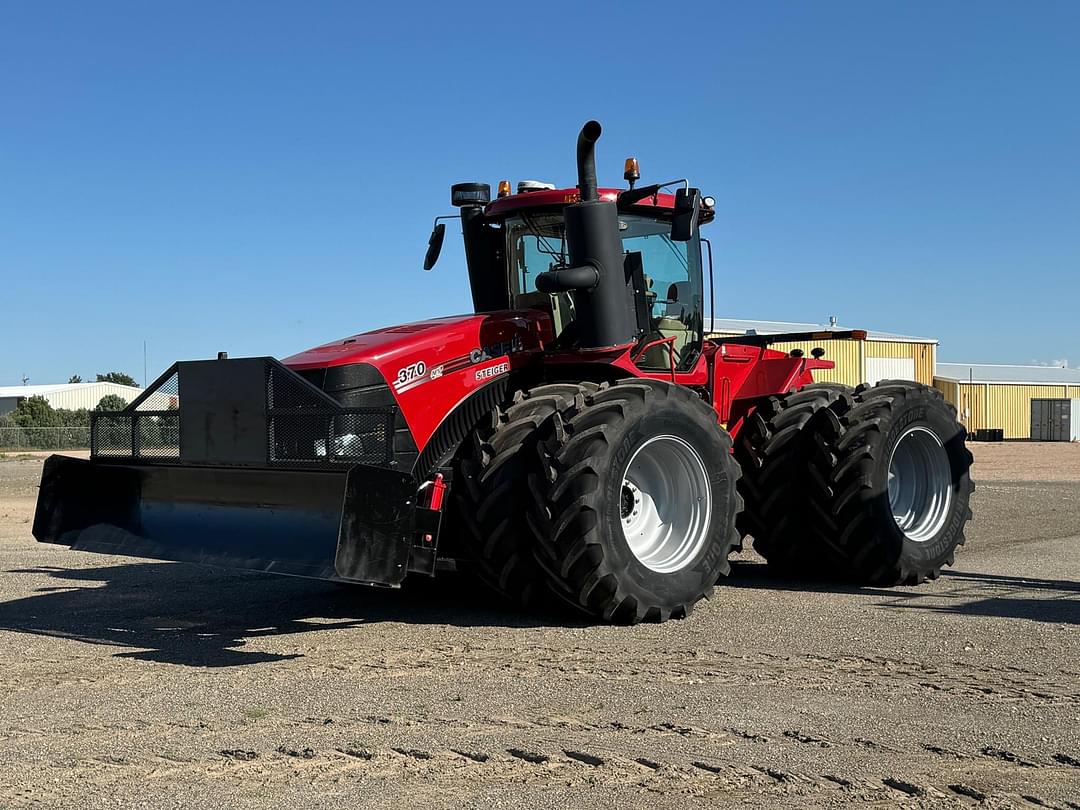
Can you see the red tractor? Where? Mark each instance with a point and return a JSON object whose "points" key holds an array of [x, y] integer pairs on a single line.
{"points": [[577, 434]]}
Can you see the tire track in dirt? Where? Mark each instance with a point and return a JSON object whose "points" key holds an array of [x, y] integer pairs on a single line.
{"points": [[683, 666], [557, 749], [525, 763], [680, 666]]}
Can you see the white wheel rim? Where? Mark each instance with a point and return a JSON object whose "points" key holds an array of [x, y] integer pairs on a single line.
{"points": [[665, 504], [920, 484]]}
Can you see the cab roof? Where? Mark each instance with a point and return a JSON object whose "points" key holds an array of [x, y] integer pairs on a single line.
{"points": [[661, 204]]}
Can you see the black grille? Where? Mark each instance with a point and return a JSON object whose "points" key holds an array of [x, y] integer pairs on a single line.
{"points": [[163, 395], [111, 434], [303, 426], [307, 427], [153, 435], [159, 435], [287, 391]]}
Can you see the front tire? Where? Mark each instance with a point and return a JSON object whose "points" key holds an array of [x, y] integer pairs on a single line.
{"points": [[634, 507], [491, 491]]}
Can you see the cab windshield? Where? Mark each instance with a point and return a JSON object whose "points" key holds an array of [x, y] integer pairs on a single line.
{"points": [[673, 278]]}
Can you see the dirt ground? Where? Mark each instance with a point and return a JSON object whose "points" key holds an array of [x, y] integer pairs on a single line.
{"points": [[1026, 461], [132, 683]]}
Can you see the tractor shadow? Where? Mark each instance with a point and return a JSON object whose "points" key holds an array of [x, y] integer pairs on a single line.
{"points": [[204, 617], [960, 593]]}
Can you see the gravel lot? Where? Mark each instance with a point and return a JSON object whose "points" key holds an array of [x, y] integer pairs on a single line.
{"points": [[132, 683]]}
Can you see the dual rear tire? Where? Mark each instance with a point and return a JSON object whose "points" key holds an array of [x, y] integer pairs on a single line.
{"points": [[870, 484]]}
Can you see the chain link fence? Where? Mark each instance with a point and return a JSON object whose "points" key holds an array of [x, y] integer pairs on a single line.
{"points": [[44, 438]]}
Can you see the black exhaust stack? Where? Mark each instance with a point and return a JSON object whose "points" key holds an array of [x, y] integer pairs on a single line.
{"points": [[586, 160], [604, 301]]}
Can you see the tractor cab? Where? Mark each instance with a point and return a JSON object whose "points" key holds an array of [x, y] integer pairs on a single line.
{"points": [[634, 279], [668, 298]]}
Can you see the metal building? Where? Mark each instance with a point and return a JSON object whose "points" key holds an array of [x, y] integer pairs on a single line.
{"points": [[70, 396], [994, 397], [882, 356]]}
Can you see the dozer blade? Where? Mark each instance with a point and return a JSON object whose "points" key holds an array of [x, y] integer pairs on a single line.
{"points": [[355, 525]]}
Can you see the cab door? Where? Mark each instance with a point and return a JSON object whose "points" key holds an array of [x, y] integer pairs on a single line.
{"points": [[674, 294]]}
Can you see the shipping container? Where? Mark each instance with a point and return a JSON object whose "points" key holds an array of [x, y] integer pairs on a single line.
{"points": [[1055, 420]]}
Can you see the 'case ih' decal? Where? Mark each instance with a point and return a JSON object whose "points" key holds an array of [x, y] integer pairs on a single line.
{"points": [[515, 344]]}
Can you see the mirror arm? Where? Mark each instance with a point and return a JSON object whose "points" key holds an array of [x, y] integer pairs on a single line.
{"points": [[435, 241], [636, 195]]}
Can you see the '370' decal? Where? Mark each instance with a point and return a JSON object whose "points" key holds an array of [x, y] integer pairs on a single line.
{"points": [[411, 375]]}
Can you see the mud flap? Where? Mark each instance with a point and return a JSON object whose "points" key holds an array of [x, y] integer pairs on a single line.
{"points": [[377, 526], [350, 525]]}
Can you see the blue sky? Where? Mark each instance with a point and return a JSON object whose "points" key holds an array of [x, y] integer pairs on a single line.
{"points": [[261, 177]]}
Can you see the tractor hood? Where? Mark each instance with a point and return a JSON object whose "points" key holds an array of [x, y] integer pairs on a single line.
{"points": [[432, 366], [441, 338]]}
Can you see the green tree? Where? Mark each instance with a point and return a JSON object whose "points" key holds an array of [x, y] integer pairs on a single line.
{"points": [[74, 378], [10, 434], [117, 377], [35, 412], [111, 402], [79, 418]]}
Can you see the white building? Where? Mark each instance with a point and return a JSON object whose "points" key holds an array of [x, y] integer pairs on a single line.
{"points": [[70, 396]]}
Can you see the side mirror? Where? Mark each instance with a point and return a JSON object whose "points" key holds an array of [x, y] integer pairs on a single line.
{"points": [[684, 220], [434, 245]]}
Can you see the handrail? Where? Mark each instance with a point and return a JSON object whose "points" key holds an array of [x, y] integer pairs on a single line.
{"points": [[670, 341]]}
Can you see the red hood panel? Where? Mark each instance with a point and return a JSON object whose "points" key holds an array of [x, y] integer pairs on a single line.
{"points": [[383, 345], [431, 366]]}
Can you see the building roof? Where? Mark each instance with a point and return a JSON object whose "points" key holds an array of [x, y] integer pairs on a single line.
{"points": [[742, 327], [41, 390], [1016, 375]]}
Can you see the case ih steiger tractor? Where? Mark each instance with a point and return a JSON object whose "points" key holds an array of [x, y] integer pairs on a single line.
{"points": [[576, 434]]}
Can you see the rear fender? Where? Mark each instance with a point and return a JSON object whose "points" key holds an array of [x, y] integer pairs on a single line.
{"points": [[744, 374]]}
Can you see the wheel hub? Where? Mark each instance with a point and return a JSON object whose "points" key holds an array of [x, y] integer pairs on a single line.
{"points": [[665, 504], [920, 484], [630, 502]]}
